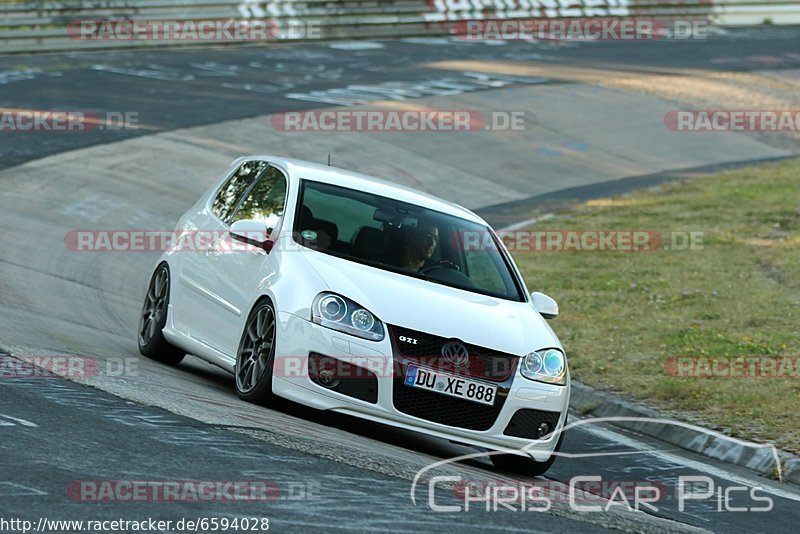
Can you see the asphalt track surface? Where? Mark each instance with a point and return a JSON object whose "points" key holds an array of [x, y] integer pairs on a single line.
{"points": [[193, 87], [161, 424]]}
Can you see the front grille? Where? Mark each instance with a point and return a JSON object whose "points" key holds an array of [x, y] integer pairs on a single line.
{"points": [[446, 410], [347, 379], [525, 423], [483, 363]]}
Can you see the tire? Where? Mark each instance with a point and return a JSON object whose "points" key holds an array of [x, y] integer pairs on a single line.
{"points": [[525, 466], [256, 355], [153, 319]]}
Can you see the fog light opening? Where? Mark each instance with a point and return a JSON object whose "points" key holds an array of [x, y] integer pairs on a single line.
{"points": [[327, 378], [325, 372], [544, 430]]}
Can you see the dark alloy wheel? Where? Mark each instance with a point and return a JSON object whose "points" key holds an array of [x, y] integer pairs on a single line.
{"points": [[153, 319], [256, 355]]}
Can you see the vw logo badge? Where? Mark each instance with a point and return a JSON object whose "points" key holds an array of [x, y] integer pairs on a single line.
{"points": [[455, 353]]}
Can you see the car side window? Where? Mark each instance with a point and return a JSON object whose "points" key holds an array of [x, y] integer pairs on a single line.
{"points": [[230, 195], [266, 200]]}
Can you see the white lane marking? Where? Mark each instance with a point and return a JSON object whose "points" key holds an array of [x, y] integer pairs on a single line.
{"points": [[22, 490], [402, 90], [21, 422], [501, 80], [523, 224], [211, 68], [356, 45], [152, 71], [681, 461], [257, 87], [11, 76], [427, 41]]}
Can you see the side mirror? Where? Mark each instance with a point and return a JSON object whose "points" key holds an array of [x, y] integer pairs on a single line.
{"points": [[253, 233], [546, 306]]}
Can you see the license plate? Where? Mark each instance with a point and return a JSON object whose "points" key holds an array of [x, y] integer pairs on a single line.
{"points": [[454, 386]]}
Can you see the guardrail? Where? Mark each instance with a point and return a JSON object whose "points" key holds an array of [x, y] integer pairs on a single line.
{"points": [[54, 26]]}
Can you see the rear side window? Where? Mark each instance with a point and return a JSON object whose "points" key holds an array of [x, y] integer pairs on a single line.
{"points": [[266, 199], [231, 193]]}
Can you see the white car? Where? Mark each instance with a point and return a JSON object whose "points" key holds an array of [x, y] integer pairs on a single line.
{"points": [[347, 293]]}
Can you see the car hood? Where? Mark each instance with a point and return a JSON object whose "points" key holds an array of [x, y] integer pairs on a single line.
{"points": [[396, 299]]}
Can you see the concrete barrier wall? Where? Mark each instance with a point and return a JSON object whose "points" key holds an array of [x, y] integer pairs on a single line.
{"points": [[52, 26]]}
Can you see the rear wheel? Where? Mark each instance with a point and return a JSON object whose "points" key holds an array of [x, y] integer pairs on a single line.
{"points": [[153, 319], [526, 466], [256, 355]]}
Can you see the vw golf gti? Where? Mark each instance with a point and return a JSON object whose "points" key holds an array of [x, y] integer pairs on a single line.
{"points": [[343, 292]]}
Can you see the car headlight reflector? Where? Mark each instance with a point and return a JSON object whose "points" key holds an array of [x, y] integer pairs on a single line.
{"points": [[533, 363], [342, 314], [363, 320], [332, 308], [548, 365]]}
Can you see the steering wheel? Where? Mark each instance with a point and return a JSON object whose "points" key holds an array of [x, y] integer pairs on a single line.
{"points": [[441, 264]]}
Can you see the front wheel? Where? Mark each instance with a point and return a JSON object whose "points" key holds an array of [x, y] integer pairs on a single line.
{"points": [[526, 466], [256, 355], [153, 319]]}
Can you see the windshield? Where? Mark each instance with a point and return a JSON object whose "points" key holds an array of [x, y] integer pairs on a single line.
{"points": [[403, 238]]}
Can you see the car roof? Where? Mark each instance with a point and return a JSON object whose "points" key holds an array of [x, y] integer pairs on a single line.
{"points": [[362, 182]]}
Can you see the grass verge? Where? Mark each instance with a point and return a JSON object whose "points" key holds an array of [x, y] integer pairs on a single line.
{"points": [[627, 316]]}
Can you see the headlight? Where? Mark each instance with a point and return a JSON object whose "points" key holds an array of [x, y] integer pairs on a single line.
{"points": [[338, 313], [332, 308], [547, 365], [363, 320]]}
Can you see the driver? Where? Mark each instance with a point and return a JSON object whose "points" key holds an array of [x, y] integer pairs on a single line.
{"points": [[420, 246]]}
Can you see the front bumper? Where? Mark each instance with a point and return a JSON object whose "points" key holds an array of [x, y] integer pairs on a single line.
{"points": [[298, 338]]}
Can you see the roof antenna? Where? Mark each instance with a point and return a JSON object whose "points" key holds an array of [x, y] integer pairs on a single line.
{"points": [[329, 160]]}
